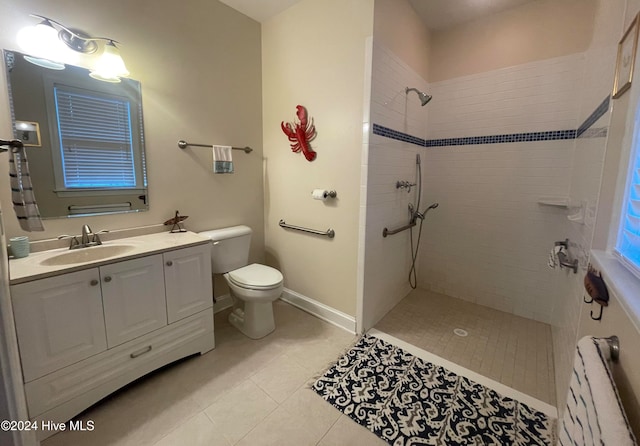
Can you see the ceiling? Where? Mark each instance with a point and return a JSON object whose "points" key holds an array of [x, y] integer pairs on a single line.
{"points": [[260, 10], [441, 14], [436, 14]]}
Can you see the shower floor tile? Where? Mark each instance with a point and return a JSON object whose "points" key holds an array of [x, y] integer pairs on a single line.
{"points": [[510, 349]]}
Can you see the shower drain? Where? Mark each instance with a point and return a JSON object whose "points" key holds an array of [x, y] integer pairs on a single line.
{"points": [[460, 332]]}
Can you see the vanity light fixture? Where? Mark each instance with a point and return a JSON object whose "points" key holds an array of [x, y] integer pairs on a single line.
{"points": [[110, 67], [50, 44]]}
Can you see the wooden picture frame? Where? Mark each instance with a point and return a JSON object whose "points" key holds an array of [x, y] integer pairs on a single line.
{"points": [[626, 59]]}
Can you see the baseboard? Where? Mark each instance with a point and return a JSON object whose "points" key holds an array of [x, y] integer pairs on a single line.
{"points": [[222, 303], [320, 310]]}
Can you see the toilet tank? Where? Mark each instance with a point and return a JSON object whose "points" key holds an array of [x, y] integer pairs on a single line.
{"points": [[230, 248]]}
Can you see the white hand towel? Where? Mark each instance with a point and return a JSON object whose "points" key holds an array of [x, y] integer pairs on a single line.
{"points": [[222, 159], [553, 261]]}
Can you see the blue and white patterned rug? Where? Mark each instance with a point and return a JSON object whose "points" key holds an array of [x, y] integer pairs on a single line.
{"points": [[407, 401]]}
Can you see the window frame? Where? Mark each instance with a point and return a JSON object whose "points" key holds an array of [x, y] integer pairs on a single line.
{"points": [[629, 169], [101, 89]]}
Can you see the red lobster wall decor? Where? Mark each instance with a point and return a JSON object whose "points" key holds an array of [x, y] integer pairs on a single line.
{"points": [[300, 133]]}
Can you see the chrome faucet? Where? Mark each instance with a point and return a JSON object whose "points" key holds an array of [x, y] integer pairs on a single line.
{"points": [[90, 238], [87, 239], [86, 232]]}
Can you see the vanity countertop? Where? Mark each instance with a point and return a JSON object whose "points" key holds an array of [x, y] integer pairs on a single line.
{"points": [[38, 266]]}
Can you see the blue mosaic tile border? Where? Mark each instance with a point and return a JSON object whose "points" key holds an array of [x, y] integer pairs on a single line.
{"points": [[394, 134], [583, 131], [500, 139]]}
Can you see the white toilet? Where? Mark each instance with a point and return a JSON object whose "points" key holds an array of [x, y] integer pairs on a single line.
{"points": [[253, 287]]}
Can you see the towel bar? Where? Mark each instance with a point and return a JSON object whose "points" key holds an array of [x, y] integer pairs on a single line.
{"points": [[184, 144], [328, 233]]}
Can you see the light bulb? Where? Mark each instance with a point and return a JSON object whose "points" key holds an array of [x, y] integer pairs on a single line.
{"points": [[110, 67], [41, 43]]}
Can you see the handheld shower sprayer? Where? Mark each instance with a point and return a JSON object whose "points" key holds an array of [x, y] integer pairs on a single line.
{"points": [[421, 215], [424, 97]]}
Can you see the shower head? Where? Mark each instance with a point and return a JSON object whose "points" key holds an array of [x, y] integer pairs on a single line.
{"points": [[424, 97]]}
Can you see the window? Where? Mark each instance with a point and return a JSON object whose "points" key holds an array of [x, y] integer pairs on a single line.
{"points": [[96, 138], [94, 132], [627, 245]]}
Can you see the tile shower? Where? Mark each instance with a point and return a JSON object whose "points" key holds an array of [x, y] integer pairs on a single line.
{"points": [[493, 145]]}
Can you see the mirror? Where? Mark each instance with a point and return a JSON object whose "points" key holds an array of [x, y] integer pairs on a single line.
{"points": [[86, 151]]}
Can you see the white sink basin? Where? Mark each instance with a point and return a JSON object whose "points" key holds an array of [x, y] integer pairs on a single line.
{"points": [[83, 255]]}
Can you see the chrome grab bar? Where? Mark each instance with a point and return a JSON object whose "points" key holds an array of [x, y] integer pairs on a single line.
{"points": [[387, 231], [328, 233]]}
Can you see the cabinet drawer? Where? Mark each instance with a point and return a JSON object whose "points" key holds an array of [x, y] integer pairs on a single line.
{"points": [[71, 382], [59, 321]]}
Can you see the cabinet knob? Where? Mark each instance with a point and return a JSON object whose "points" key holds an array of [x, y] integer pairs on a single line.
{"points": [[94, 282], [169, 263], [107, 279]]}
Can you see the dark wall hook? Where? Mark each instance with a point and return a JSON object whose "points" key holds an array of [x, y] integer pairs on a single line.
{"points": [[599, 316]]}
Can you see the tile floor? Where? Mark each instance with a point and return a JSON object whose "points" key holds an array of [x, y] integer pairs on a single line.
{"points": [[255, 393], [510, 349], [244, 392]]}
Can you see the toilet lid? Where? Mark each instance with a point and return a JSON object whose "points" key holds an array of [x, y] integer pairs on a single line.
{"points": [[256, 276]]}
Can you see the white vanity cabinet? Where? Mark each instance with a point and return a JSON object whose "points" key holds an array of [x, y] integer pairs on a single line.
{"points": [[84, 334], [59, 321], [187, 278], [133, 298]]}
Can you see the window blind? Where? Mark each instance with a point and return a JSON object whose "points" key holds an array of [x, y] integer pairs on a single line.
{"points": [[95, 140], [628, 240]]}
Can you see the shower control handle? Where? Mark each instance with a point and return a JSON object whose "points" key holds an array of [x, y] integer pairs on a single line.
{"points": [[405, 185]]}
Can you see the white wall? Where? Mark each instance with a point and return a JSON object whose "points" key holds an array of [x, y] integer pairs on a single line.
{"points": [[488, 241], [397, 25], [387, 260], [535, 30], [598, 163], [314, 55], [200, 70]]}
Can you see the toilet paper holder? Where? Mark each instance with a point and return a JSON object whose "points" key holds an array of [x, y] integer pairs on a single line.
{"points": [[563, 257], [321, 194]]}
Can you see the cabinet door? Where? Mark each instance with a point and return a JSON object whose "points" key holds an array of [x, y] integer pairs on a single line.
{"points": [[59, 321], [133, 298], [187, 276]]}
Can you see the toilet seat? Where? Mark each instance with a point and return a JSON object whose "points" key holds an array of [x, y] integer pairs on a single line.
{"points": [[256, 277]]}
